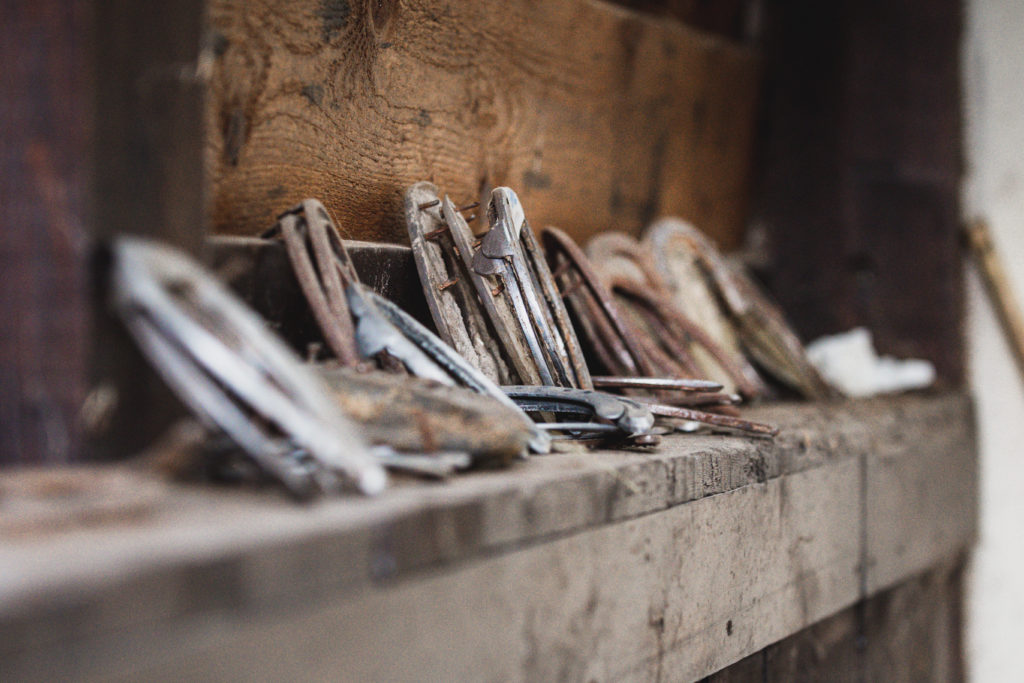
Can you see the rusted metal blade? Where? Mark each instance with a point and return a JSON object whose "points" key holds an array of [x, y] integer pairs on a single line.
{"points": [[727, 421], [664, 383]]}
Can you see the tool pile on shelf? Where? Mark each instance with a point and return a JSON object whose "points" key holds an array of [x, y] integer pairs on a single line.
{"points": [[537, 343]]}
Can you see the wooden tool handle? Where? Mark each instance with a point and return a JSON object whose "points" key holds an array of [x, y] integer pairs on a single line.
{"points": [[999, 287]]}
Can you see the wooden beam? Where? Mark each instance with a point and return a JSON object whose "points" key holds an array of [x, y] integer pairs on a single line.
{"points": [[101, 108], [909, 633], [609, 564], [601, 118], [725, 17]]}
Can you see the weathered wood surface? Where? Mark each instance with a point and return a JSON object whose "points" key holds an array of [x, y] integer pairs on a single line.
{"points": [[727, 17], [860, 182], [598, 116], [607, 564], [259, 271]]}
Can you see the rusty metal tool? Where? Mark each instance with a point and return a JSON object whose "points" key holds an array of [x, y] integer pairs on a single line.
{"points": [[439, 236], [653, 383], [761, 325], [721, 421], [411, 414], [381, 329], [630, 417], [628, 267]]}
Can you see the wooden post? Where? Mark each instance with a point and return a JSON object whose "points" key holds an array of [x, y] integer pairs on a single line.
{"points": [[101, 108], [45, 116], [148, 151]]}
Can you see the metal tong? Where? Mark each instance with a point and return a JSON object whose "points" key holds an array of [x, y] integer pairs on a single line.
{"points": [[498, 288], [629, 417], [379, 328], [496, 301]]}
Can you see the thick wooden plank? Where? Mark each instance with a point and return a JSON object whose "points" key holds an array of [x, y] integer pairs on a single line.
{"points": [[919, 503], [726, 17], [612, 564], [685, 591], [859, 194], [599, 117], [45, 116], [914, 632]]}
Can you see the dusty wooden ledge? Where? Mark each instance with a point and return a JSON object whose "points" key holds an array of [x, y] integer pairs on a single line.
{"points": [[605, 565]]}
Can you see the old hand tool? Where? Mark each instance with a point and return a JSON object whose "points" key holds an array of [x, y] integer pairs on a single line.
{"points": [[415, 415], [628, 269], [381, 329], [234, 374], [630, 417], [516, 303]]}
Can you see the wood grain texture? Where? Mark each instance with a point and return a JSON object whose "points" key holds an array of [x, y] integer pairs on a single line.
{"points": [[726, 17], [909, 633], [598, 116]]}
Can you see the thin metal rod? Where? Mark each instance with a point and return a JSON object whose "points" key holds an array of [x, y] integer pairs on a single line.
{"points": [[667, 383], [712, 419]]}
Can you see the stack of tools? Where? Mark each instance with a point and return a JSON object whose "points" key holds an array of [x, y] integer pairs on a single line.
{"points": [[679, 336], [496, 299]]}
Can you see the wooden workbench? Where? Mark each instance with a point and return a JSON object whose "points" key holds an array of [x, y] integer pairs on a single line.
{"points": [[667, 565]]}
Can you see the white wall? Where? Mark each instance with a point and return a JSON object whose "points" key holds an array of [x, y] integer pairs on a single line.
{"points": [[994, 189]]}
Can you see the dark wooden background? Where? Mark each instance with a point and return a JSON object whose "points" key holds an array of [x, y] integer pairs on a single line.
{"points": [[603, 116]]}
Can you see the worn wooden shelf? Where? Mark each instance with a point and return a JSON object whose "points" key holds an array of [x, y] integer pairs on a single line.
{"points": [[593, 566]]}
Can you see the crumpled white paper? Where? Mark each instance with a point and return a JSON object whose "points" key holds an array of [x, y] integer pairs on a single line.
{"points": [[848, 361]]}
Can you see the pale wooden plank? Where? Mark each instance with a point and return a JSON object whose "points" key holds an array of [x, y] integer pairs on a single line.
{"points": [[757, 533], [684, 592], [921, 501], [598, 116]]}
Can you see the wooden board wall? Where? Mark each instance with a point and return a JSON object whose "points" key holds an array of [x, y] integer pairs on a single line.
{"points": [[861, 167], [910, 633], [601, 117]]}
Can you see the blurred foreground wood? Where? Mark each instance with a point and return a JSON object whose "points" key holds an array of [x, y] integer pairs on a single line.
{"points": [[590, 566]]}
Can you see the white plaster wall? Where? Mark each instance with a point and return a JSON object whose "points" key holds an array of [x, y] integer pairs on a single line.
{"points": [[994, 189]]}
